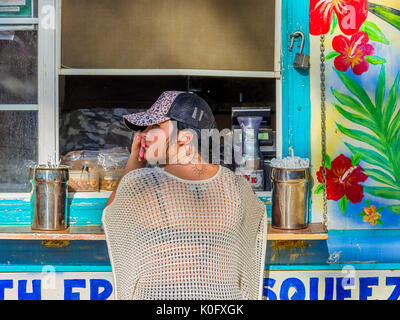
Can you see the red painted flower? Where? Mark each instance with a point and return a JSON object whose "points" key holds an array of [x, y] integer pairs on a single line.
{"points": [[343, 180], [352, 52], [351, 15]]}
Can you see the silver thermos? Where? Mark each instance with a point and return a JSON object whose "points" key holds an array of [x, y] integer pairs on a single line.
{"points": [[290, 196], [49, 198]]}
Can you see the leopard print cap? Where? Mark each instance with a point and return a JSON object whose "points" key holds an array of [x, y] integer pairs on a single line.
{"points": [[155, 114]]}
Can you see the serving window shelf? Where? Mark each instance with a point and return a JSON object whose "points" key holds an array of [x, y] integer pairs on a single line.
{"points": [[72, 233], [85, 213], [314, 231]]}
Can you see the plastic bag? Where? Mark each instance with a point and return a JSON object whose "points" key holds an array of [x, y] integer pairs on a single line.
{"points": [[113, 158], [95, 170], [113, 162], [84, 170]]}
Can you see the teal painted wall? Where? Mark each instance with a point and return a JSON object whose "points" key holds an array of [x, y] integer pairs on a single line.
{"points": [[296, 104], [80, 212]]}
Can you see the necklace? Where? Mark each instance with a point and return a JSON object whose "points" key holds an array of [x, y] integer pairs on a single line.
{"points": [[198, 171]]}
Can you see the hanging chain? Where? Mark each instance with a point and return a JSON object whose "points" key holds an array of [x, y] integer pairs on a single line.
{"points": [[323, 131]]}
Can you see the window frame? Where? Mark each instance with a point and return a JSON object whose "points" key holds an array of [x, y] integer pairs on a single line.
{"points": [[47, 106], [28, 23], [50, 69]]}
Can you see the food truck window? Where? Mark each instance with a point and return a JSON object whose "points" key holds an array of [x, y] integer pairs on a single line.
{"points": [[18, 93], [18, 96], [18, 66], [18, 149], [168, 34], [91, 107]]}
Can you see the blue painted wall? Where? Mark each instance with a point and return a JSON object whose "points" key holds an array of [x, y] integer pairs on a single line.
{"points": [[296, 104], [80, 212], [343, 248], [296, 83]]}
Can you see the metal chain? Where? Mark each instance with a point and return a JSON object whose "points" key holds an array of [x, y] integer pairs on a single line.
{"points": [[323, 131]]}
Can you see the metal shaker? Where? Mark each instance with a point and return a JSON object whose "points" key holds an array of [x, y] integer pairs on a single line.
{"points": [[290, 196], [49, 198]]}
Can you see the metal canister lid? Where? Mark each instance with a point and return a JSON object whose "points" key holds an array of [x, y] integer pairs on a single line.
{"points": [[44, 174], [282, 174]]}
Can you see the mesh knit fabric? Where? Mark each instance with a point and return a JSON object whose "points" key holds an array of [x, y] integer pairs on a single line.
{"points": [[171, 238]]}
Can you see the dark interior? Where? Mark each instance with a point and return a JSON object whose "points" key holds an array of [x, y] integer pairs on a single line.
{"points": [[140, 92]]}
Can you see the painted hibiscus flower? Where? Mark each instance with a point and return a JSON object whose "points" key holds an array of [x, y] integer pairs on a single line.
{"points": [[351, 15], [371, 215], [343, 179], [352, 52]]}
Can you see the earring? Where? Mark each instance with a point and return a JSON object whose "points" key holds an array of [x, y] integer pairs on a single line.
{"points": [[187, 148]]}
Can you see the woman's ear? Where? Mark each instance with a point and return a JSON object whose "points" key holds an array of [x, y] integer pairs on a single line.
{"points": [[185, 137]]}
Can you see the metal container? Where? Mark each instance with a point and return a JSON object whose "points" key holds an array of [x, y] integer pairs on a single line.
{"points": [[49, 198], [290, 196]]}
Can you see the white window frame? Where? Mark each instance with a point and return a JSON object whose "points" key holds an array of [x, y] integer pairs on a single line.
{"points": [[278, 81], [48, 66]]}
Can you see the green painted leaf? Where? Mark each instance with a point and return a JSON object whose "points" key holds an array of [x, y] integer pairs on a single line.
{"points": [[334, 23], [328, 162], [361, 120], [382, 192], [332, 55], [380, 209], [361, 214], [363, 137], [396, 148], [358, 91], [381, 177], [371, 157], [355, 160], [394, 129], [395, 209], [375, 60], [368, 203], [396, 155], [391, 102], [319, 189], [388, 14], [343, 204], [373, 32], [379, 221], [380, 89], [350, 102]]}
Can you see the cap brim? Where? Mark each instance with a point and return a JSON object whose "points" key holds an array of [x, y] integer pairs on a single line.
{"points": [[140, 120]]}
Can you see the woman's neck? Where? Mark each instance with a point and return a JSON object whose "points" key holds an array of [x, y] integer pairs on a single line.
{"points": [[192, 171]]}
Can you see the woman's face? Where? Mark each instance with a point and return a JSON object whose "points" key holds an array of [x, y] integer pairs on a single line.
{"points": [[161, 148], [156, 138]]}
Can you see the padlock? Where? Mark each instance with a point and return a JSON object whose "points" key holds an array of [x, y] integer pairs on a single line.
{"points": [[301, 61]]}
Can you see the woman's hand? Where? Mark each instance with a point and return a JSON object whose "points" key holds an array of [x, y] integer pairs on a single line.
{"points": [[135, 161], [138, 147]]}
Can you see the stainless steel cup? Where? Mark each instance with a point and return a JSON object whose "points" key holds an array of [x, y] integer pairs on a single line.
{"points": [[290, 192], [49, 199]]}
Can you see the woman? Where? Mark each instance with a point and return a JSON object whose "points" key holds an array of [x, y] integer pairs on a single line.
{"points": [[184, 229]]}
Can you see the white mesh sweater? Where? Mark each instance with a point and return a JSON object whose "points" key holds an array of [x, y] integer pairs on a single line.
{"points": [[171, 238]]}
